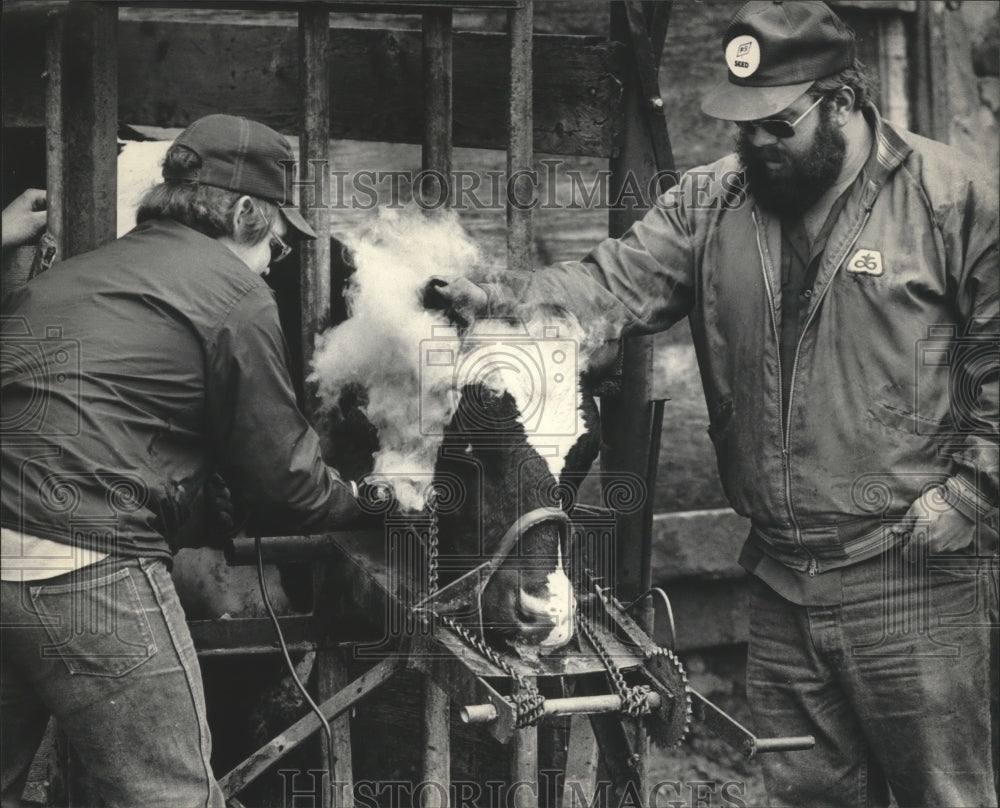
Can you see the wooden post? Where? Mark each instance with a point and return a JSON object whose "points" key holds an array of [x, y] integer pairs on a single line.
{"points": [[436, 156], [524, 766], [894, 72], [437, 61], [436, 744], [314, 155], [519, 137], [81, 126], [314, 163]]}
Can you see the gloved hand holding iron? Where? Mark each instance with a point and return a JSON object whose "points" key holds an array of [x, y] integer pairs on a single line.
{"points": [[462, 301]]}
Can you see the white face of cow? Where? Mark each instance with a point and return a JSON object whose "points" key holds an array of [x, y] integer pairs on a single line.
{"points": [[557, 606]]}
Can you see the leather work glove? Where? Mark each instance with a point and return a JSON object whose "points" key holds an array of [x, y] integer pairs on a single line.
{"points": [[221, 512], [461, 300], [374, 497], [948, 530]]}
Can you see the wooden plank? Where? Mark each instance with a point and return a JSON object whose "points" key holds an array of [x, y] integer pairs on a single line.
{"points": [[524, 767], [519, 139], [234, 781], [331, 679], [436, 744], [375, 83], [81, 119], [438, 104]]}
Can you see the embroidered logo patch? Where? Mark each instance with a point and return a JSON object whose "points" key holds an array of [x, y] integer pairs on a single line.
{"points": [[743, 56], [865, 262]]}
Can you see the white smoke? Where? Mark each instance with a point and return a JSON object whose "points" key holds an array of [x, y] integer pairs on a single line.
{"points": [[414, 366]]}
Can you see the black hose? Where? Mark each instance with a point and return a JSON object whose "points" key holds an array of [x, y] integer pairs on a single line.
{"points": [[327, 731]]}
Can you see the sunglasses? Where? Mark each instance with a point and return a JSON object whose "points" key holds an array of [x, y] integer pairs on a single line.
{"points": [[776, 126], [279, 248]]}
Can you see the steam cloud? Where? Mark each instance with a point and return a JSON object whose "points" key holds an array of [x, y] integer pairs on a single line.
{"points": [[385, 342]]}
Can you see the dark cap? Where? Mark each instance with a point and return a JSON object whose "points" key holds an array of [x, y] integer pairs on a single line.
{"points": [[774, 52], [243, 156]]}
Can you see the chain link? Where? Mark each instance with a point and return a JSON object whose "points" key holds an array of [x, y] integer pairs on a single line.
{"points": [[528, 702], [633, 699], [433, 540]]}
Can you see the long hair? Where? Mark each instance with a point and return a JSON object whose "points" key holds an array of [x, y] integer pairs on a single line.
{"points": [[204, 208], [856, 76]]}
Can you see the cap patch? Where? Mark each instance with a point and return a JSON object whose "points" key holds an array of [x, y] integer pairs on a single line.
{"points": [[743, 56]]}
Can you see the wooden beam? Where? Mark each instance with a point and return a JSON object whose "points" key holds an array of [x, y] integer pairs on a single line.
{"points": [[519, 138], [314, 162], [438, 106], [81, 122], [245, 772], [436, 744], [376, 84]]}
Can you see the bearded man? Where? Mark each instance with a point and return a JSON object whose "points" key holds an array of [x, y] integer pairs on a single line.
{"points": [[843, 299]]}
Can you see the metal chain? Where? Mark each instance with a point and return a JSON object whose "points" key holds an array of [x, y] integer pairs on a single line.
{"points": [[634, 701], [529, 704], [433, 540]]}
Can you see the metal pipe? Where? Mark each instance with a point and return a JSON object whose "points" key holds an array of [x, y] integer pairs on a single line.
{"points": [[790, 744], [485, 713]]}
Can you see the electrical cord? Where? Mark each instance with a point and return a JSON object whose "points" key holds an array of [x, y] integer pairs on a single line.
{"points": [[327, 731]]}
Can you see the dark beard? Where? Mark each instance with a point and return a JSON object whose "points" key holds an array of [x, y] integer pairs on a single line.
{"points": [[801, 181]]}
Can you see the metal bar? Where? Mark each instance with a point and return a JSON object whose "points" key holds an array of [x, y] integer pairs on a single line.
{"points": [[314, 156], [739, 737], [437, 744], [519, 138], [251, 768], [240, 551], [81, 113], [575, 705], [438, 74]]}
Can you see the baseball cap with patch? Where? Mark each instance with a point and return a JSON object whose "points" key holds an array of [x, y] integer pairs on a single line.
{"points": [[774, 52], [243, 156]]}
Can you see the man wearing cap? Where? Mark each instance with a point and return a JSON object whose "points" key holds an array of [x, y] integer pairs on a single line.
{"points": [[843, 299], [137, 371]]}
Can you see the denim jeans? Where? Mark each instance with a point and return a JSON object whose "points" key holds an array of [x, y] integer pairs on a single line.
{"points": [[107, 651], [893, 682]]}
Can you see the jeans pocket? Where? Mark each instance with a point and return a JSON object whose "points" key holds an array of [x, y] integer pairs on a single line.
{"points": [[98, 627]]}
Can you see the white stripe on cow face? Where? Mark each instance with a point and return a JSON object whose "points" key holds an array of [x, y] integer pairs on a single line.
{"points": [[559, 606]]}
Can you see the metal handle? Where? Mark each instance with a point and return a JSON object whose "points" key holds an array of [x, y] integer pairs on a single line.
{"points": [[790, 744]]}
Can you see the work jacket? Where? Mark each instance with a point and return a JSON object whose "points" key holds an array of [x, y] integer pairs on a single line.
{"points": [[134, 371], [879, 408]]}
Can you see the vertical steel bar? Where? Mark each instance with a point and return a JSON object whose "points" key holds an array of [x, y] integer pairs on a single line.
{"points": [[81, 112], [437, 62], [519, 138]]}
